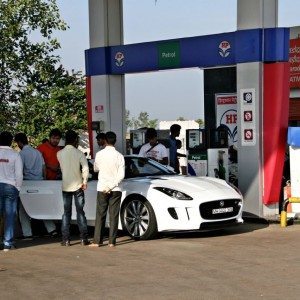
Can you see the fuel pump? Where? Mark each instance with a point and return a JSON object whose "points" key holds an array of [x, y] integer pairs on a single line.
{"points": [[138, 139], [207, 152], [217, 153], [196, 146]]}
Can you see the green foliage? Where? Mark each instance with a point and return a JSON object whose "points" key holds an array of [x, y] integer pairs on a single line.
{"points": [[180, 119], [200, 122], [64, 108], [141, 121], [36, 94]]}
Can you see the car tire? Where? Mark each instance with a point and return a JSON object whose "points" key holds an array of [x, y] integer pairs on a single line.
{"points": [[138, 219]]}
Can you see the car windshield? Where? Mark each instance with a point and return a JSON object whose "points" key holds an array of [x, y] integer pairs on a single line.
{"points": [[140, 166]]}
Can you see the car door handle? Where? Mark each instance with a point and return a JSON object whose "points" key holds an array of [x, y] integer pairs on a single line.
{"points": [[32, 191]]}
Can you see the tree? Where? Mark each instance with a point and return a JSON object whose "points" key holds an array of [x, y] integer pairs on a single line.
{"points": [[141, 121], [64, 107], [31, 82], [180, 119], [200, 122], [36, 92], [128, 121]]}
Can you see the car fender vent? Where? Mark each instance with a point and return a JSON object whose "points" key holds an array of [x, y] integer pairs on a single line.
{"points": [[173, 213]]}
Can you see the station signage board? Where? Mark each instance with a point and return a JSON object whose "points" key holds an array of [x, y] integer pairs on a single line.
{"points": [[226, 115], [248, 124], [294, 59]]}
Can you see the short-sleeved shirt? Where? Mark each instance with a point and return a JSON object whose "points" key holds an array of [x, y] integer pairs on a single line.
{"points": [[158, 152], [49, 154], [33, 163]]}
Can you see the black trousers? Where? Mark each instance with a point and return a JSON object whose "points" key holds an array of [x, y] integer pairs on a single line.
{"points": [[112, 202]]}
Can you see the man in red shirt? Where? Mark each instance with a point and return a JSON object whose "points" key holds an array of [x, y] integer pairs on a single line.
{"points": [[49, 150]]}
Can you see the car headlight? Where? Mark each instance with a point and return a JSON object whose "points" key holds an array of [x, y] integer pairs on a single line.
{"points": [[174, 194]]}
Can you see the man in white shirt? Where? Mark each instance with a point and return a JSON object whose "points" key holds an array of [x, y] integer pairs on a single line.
{"points": [[111, 167], [11, 177], [74, 182], [153, 149]]}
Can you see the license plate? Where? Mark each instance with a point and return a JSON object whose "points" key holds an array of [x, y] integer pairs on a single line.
{"points": [[222, 210]]}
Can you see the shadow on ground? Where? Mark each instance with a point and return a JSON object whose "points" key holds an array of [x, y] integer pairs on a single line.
{"points": [[41, 237], [248, 226]]}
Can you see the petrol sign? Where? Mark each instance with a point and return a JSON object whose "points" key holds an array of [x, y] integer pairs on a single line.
{"points": [[168, 55]]}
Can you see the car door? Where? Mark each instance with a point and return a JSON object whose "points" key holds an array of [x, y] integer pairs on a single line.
{"points": [[42, 199]]}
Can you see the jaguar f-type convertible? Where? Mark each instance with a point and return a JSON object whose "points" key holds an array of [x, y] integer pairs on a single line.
{"points": [[154, 199]]}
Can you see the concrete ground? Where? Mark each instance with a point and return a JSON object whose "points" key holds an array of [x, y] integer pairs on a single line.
{"points": [[253, 261]]}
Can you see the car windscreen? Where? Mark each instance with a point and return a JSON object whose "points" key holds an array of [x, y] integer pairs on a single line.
{"points": [[140, 167]]}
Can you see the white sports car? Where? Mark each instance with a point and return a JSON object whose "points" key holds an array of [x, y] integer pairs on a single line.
{"points": [[154, 199]]}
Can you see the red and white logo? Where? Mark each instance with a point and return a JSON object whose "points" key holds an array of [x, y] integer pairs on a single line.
{"points": [[119, 59], [99, 108], [224, 48]]}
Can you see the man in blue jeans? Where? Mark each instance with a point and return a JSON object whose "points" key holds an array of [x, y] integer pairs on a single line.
{"points": [[75, 172], [11, 177]]}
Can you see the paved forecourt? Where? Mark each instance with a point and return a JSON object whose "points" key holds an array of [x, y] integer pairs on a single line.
{"points": [[253, 261]]}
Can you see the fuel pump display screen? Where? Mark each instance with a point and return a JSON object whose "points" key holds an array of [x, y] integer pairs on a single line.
{"points": [[137, 139], [195, 138]]}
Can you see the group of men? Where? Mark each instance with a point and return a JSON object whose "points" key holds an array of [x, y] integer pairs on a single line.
{"points": [[49, 161]]}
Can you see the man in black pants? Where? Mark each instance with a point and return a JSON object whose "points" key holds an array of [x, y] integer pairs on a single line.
{"points": [[111, 167]]}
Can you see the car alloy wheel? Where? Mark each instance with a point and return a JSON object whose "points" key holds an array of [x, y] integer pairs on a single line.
{"points": [[138, 219]]}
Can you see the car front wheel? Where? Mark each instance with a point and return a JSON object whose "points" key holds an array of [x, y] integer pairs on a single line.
{"points": [[138, 219]]}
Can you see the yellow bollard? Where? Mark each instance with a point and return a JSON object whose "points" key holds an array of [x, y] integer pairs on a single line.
{"points": [[283, 219]]}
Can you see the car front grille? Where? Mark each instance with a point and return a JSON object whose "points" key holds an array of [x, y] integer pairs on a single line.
{"points": [[218, 224], [220, 209]]}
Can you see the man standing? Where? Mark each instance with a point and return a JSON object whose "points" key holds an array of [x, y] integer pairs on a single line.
{"points": [[111, 167], [11, 177], [49, 151], [101, 140], [75, 172], [153, 149], [174, 133], [33, 169]]}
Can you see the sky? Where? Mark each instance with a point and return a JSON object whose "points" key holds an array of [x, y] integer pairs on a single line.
{"points": [[162, 93]]}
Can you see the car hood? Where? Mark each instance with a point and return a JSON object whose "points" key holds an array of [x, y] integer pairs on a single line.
{"points": [[189, 184]]}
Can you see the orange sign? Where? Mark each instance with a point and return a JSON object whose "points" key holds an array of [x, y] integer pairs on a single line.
{"points": [[294, 59]]}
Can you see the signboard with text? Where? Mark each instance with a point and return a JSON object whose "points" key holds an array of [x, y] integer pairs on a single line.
{"points": [[226, 115], [294, 59]]}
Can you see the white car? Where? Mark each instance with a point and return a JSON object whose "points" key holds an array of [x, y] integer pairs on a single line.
{"points": [[154, 199]]}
